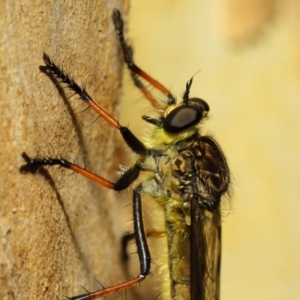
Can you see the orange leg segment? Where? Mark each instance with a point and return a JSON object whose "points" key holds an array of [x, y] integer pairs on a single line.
{"points": [[127, 55], [110, 290]]}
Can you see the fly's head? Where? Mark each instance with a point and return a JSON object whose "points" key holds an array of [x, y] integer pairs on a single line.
{"points": [[181, 118], [188, 113]]}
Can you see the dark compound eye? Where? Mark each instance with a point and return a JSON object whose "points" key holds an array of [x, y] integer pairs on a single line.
{"points": [[185, 115], [200, 103]]}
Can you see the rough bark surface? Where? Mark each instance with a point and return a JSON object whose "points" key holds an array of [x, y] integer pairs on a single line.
{"points": [[57, 229]]}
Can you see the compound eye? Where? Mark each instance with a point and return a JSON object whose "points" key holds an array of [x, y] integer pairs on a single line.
{"points": [[181, 118], [200, 103]]}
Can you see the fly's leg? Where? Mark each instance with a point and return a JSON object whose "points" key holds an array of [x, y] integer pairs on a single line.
{"points": [[34, 164], [135, 70], [142, 249], [131, 140]]}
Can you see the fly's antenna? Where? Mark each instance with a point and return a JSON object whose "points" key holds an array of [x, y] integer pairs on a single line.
{"points": [[188, 87], [187, 90]]}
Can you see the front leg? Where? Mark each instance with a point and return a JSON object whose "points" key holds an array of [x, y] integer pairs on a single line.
{"points": [[128, 177]]}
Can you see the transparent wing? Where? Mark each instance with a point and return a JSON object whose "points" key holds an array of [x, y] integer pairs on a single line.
{"points": [[205, 252]]}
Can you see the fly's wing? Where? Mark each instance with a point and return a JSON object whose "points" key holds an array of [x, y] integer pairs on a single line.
{"points": [[207, 188], [205, 252]]}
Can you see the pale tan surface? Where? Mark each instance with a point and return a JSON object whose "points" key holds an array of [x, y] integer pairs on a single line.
{"points": [[250, 76], [60, 232]]}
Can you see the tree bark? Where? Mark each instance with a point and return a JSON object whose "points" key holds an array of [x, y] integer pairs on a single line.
{"points": [[58, 231]]}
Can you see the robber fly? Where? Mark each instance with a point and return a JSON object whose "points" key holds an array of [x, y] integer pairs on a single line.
{"points": [[189, 177]]}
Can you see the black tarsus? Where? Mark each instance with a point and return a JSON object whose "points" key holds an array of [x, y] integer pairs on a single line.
{"points": [[33, 165], [61, 75], [79, 297], [127, 50]]}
